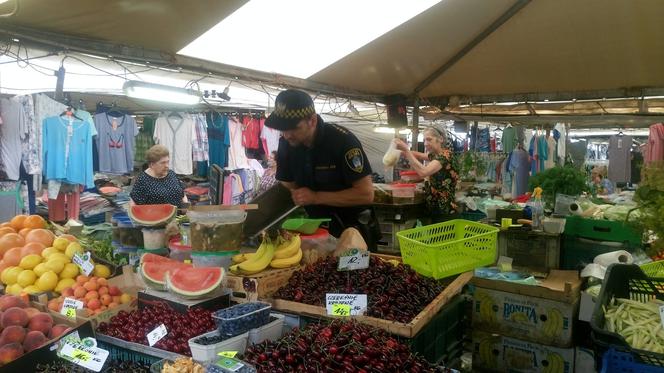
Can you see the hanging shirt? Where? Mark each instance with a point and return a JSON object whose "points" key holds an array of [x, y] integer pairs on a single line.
{"points": [[551, 153], [144, 140], [201, 147], [620, 162], [542, 152], [509, 139], [115, 143], [67, 145], [251, 132], [177, 134], [654, 150], [14, 127], [519, 163], [270, 138], [237, 158], [219, 139]]}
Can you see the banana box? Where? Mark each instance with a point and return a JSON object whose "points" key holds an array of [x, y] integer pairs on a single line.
{"points": [[496, 353], [542, 314]]}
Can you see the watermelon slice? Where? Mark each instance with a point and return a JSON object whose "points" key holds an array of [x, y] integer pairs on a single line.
{"points": [[194, 282], [149, 257], [154, 273], [152, 215]]}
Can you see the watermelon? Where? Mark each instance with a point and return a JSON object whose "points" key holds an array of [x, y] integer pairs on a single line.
{"points": [[152, 215], [194, 282], [149, 257], [154, 273]]}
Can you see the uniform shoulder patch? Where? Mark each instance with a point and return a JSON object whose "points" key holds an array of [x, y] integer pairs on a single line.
{"points": [[355, 160]]}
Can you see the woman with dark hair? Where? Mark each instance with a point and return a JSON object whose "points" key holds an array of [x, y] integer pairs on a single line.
{"points": [[440, 168]]}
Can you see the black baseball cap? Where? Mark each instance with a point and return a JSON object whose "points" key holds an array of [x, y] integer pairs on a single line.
{"points": [[290, 107]]}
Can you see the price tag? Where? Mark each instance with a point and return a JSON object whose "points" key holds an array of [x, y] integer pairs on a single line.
{"points": [[354, 304], [231, 364], [89, 357], [69, 307], [661, 315], [340, 309], [157, 334], [354, 259], [230, 354], [83, 262]]}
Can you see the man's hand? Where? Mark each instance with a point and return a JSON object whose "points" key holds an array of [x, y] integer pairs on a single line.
{"points": [[303, 196]]}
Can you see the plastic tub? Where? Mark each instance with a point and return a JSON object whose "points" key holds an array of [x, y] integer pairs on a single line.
{"points": [[403, 193], [154, 238], [270, 331], [411, 176], [216, 230], [179, 251], [321, 239], [212, 259], [242, 317], [208, 353]]}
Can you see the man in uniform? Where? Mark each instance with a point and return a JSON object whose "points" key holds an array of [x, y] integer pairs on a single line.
{"points": [[324, 166]]}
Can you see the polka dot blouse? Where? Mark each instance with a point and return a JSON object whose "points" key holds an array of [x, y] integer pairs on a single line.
{"points": [[150, 190]]}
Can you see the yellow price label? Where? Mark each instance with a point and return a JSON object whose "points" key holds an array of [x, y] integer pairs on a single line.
{"points": [[341, 309], [70, 313], [81, 355], [229, 354]]}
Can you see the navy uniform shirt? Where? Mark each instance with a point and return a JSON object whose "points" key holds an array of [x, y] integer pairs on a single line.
{"points": [[334, 162]]}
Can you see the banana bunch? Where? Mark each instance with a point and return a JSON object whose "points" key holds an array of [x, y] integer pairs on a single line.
{"points": [[487, 354], [487, 307], [556, 363], [256, 262], [554, 323], [239, 258], [288, 253]]}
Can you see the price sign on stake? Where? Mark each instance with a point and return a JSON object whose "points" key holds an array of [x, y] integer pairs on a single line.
{"points": [[354, 259], [69, 307], [157, 334], [83, 262], [86, 356], [353, 304]]}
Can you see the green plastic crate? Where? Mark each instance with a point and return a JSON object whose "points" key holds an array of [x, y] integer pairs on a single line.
{"points": [[654, 269], [576, 252], [603, 230], [473, 215], [446, 249]]}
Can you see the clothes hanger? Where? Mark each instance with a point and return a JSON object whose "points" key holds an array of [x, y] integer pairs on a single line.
{"points": [[69, 112], [114, 111]]}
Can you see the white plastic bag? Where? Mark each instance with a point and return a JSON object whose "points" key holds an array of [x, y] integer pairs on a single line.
{"points": [[392, 155]]}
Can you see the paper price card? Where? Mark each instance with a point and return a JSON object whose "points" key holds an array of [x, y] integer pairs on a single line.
{"points": [[230, 364], [83, 262], [157, 334], [353, 304], [230, 354], [89, 357], [69, 307], [353, 259]]}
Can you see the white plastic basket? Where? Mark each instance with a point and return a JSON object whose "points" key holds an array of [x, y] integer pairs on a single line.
{"points": [[208, 353], [271, 331]]}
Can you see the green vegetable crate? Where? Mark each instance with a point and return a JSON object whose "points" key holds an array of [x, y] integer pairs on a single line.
{"points": [[603, 230], [576, 252], [624, 281]]}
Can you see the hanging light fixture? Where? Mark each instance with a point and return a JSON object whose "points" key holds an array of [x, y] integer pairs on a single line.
{"points": [[159, 92]]}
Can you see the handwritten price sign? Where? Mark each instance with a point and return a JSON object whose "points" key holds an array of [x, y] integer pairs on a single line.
{"points": [[353, 259], [346, 304]]}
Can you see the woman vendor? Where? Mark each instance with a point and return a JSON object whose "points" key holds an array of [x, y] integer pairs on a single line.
{"points": [[439, 167], [158, 184]]}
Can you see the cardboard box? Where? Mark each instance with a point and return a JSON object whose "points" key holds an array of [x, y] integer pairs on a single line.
{"points": [[542, 314], [496, 353], [259, 286]]}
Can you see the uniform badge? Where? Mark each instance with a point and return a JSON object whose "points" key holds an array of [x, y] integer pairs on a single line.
{"points": [[354, 160]]}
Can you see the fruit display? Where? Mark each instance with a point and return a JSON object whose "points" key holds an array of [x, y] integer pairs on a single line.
{"points": [[110, 366], [394, 291], [95, 293], [153, 269], [336, 347], [285, 252], [24, 328], [182, 365], [134, 326], [241, 318], [194, 283], [152, 215]]}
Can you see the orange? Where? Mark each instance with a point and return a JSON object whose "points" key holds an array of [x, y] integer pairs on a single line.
{"points": [[69, 237], [5, 230], [34, 222], [43, 236], [17, 222], [3, 265], [32, 248], [6, 224], [9, 241], [13, 256], [24, 232]]}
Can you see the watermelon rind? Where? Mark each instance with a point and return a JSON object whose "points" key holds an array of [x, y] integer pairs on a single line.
{"points": [[205, 288], [169, 212], [159, 283]]}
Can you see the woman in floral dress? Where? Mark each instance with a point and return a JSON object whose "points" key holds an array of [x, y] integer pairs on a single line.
{"points": [[440, 168]]}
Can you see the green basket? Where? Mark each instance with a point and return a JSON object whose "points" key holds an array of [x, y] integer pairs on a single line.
{"points": [[603, 230], [653, 269], [446, 249]]}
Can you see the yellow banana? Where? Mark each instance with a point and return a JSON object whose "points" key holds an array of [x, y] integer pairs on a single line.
{"points": [[486, 353], [287, 262], [239, 258], [486, 309], [554, 323], [288, 249], [260, 260], [556, 363]]}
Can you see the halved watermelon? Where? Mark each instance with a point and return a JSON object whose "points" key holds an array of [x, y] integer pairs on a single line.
{"points": [[154, 273], [149, 257], [152, 215], [194, 282]]}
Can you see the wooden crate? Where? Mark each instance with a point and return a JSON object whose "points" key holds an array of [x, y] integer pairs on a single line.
{"points": [[261, 285], [408, 330]]}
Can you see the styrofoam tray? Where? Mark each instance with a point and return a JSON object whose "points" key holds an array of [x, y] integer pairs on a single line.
{"points": [[208, 353], [271, 331]]}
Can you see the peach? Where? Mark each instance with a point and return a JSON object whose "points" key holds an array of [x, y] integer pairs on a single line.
{"points": [[112, 305], [42, 322], [102, 290], [91, 295], [9, 301], [80, 292], [34, 340], [81, 279], [106, 299], [125, 298], [90, 285], [15, 316], [12, 334], [114, 290], [94, 304], [116, 299], [31, 311], [10, 352], [58, 330], [102, 281], [68, 292]]}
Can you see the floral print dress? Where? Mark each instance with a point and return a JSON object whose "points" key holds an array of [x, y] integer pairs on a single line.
{"points": [[440, 187]]}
